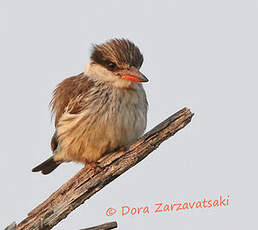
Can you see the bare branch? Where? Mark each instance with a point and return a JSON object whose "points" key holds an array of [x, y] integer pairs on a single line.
{"points": [[88, 181], [107, 226], [12, 226]]}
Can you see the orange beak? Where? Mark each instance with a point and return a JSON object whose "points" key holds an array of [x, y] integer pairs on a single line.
{"points": [[133, 74]]}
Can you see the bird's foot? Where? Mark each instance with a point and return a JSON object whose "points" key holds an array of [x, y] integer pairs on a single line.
{"points": [[123, 148], [92, 165]]}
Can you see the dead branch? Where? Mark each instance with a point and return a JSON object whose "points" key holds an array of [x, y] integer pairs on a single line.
{"points": [[12, 226], [107, 226], [89, 181]]}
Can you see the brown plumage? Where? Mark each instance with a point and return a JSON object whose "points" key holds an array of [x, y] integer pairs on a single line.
{"points": [[119, 51], [66, 92], [99, 110]]}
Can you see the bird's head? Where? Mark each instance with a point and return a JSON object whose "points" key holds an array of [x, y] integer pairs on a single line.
{"points": [[118, 62]]}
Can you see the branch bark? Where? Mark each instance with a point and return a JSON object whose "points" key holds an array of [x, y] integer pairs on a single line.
{"points": [[106, 226], [88, 181]]}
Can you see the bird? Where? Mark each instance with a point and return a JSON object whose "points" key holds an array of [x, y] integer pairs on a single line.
{"points": [[101, 109]]}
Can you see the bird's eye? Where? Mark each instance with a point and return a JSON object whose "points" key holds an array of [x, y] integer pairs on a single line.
{"points": [[111, 65]]}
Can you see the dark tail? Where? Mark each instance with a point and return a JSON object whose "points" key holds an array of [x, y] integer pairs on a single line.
{"points": [[47, 166]]}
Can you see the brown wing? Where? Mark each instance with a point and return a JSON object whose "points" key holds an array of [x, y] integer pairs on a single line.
{"points": [[69, 92]]}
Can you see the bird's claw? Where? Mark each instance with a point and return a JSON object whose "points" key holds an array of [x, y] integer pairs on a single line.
{"points": [[92, 165]]}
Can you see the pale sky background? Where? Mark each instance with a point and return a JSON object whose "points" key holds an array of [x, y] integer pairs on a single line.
{"points": [[200, 54]]}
